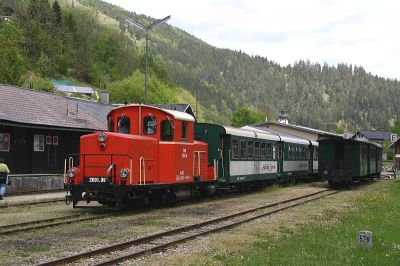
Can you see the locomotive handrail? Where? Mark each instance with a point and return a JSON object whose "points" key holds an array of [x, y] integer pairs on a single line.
{"points": [[141, 162], [198, 162]]}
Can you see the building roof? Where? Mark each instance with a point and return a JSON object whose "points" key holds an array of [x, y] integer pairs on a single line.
{"points": [[73, 89], [177, 107], [376, 135], [38, 108]]}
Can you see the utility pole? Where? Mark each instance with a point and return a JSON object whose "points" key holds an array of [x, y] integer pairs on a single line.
{"points": [[146, 28]]}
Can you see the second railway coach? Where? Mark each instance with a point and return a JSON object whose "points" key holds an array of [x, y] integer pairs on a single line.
{"points": [[239, 156]]}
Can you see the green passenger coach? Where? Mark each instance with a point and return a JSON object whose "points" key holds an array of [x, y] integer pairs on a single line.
{"points": [[343, 161], [239, 156]]}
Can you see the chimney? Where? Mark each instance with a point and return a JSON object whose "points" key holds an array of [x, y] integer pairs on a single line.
{"points": [[283, 117], [105, 97]]}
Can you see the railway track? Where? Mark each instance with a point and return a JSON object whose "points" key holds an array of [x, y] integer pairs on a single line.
{"points": [[45, 223], [113, 254]]}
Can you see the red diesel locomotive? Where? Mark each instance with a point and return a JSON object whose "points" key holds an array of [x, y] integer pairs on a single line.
{"points": [[148, 153]]}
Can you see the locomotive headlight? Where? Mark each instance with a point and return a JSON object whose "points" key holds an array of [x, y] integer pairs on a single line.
{"points": [[102, 137], [123, 173], [71, 173]]}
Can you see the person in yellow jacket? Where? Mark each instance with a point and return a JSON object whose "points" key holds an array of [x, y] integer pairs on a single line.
{"points": [[4, 171]]}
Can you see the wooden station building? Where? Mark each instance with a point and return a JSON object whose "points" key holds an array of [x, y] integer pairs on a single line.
{"points": [[38, 129]]}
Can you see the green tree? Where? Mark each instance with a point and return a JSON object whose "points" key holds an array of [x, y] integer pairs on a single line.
{"points": [[11, 54], [57, 13], [246, 116], [131, 90], [396, 127]]}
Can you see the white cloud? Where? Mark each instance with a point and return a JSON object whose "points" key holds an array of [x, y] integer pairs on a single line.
{"points": [[356, 32]]}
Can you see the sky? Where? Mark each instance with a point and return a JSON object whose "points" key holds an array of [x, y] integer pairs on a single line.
{"points": [[363, 33]]}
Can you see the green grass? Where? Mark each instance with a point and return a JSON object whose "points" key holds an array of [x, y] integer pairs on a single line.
{"points": [[331, 239], [158, 223], [27, 251]]}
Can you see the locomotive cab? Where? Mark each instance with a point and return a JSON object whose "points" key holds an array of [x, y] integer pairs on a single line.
{"points": [[147, 152]]}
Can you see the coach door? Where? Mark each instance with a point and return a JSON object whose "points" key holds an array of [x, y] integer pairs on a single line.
{"points": [[280, 158]]}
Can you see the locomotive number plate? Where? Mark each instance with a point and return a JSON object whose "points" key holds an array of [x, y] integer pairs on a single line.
{"points": [[96, 180]]}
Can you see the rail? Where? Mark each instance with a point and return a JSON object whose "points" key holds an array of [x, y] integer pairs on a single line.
{"points": [[156, 243]]}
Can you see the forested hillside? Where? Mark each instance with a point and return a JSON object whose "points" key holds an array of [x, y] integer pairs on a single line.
{"points": [[99, 48]]}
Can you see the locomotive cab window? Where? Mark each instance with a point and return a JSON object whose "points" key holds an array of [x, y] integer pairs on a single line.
{"points": [[150, 125], [235, 149], [184, 130], [110, 125], [167, 130], [124, 125]]}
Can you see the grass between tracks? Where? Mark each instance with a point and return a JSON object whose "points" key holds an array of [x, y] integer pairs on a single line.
{"points": [[330, 239]]}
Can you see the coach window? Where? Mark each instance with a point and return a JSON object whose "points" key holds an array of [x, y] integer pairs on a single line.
{"points": [[250, 149], [269, 151], [167, 130], [257, 150], [184, 130], [235, 149], [150, 125], [243, 149], [124, 124], [364, 153], [263, 151], [273, 152], [373, 155]]}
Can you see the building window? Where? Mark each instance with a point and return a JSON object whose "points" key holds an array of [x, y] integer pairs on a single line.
{"points": [[49, 140], [55, 140], [167, 130], [184, 130], [235, 149], [150, 125], [243, 149], [124, 125], [4, 142], [38, 142]]}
